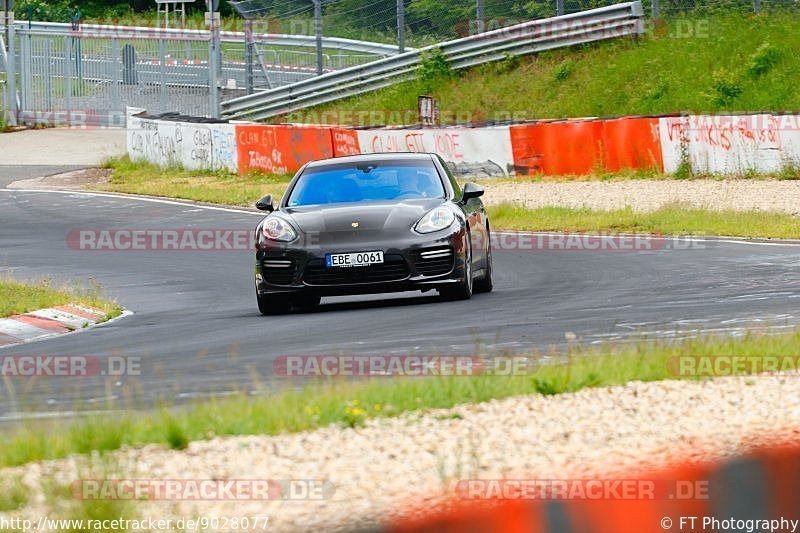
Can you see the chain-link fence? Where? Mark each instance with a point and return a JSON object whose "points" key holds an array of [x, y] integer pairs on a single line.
{"points": [[90, 73], [73, 75], [99, 76], [427, 22], [96, 71]]}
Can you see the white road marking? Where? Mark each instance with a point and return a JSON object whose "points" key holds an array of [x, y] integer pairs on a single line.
{"points": [[68, 319]]}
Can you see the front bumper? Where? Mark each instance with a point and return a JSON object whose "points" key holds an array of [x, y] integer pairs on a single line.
{"points": [[418, 262]]}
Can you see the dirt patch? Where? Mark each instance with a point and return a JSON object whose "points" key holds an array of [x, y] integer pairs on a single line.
{"points": [[86, 178]]}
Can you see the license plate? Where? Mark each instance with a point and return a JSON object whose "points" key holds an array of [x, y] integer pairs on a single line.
{"points": [[354, 259]]}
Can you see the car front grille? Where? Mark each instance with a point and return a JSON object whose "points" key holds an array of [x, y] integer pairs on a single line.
{"points": [[394, 268], [434, 261], [278, 271]]}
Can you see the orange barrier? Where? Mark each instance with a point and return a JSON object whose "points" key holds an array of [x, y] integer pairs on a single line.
{"points": [[763, 485], [586, 146], [631, 143], [552, 148], [345, 142], [282, 148], [571, 147]]}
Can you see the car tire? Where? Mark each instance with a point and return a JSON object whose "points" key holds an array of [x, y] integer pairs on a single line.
{"points": [[485, 284], [272, 304], [463, 289]]}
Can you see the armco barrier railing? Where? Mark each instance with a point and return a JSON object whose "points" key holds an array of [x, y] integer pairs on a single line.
{"points": [[609, 22], [273, 39]]}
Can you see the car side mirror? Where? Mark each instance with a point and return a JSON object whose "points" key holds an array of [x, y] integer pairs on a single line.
{"points": [[471, 190], [266, 204]]}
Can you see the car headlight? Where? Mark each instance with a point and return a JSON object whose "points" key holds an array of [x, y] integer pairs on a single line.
{"points": [[277, 229], [436, 219]]}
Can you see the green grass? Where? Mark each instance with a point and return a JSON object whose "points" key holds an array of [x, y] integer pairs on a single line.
{"points": [[350, 403], [231, 189], [671, 220], [13, 494], [709, 63], [203, 186], [17, 297]]}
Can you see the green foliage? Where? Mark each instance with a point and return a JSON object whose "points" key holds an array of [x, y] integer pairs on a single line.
{"points": [[727, 87], [433, 70], [176, 436], [509, 63], [58, 11], [684, 170], [665, 71], [763, 60], [563, 70], [13, 494]]}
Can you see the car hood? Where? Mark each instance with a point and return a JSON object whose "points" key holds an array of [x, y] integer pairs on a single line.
{"points": [[370, 216]]}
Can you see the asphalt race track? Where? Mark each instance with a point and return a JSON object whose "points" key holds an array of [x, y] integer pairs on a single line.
{"points": [[196, 328]]}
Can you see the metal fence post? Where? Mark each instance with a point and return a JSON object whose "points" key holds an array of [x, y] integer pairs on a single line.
{"points": [[48, 74], [25, 72], [656, 12], [318, 32], [401, 26], [162, 74], [559, 7], [248, 54], [115, 79], [757, 6], [480, 14], [214, 58], [68, 74], [11, 77]]}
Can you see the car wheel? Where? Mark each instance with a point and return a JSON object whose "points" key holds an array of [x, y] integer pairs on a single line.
{"points": [[272, 304], [306, 303], [463, 289], [485, 284]]}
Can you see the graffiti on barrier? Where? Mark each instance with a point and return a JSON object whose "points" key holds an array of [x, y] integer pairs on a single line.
{"points": [[468, 152]]}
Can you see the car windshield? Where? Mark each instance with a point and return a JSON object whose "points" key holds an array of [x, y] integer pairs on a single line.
{"points": [[365, 182]]}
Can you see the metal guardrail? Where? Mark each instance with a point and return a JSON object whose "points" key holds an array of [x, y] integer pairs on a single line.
{"points": [[143, 32], [619, 20]]}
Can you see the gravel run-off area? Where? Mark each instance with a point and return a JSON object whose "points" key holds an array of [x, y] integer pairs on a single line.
{"points": [[638, 194], [393, 463], [650, 195]]}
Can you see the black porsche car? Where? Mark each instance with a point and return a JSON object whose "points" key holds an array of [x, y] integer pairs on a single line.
{"points": [[372, 224]]}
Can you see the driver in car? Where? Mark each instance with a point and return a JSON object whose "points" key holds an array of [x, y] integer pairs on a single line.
{"points": [[416, 184]]}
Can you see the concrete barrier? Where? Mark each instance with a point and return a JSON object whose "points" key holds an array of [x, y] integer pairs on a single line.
{"points": [[759, 491], [723, 144]]}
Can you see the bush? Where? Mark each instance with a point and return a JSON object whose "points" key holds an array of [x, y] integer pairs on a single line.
{"points": [[563, 70], [726, 87], [763, 59], [433, 69]]}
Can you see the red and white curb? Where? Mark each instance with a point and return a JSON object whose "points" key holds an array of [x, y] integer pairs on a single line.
{"points": [[48, 322]]}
